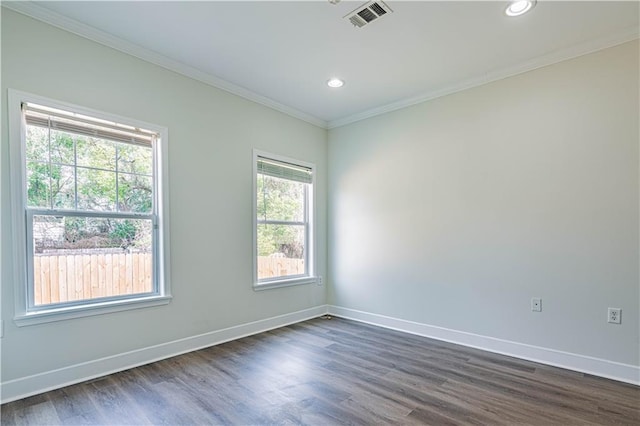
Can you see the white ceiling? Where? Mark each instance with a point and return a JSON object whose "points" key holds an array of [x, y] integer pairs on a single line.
{"points": [[282, 53]]}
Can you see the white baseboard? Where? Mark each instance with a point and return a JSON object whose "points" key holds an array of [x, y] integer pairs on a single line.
{"points": [[596, 366], [31, 385]]}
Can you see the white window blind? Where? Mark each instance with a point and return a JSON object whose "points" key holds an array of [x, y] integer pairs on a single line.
{"points": [[37, 115], [280, 169]]}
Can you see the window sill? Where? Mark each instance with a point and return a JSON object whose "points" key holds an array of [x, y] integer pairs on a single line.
{"points": [[266, 285], [70, 312]]}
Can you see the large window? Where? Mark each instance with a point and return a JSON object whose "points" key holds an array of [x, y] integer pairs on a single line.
{"points": [[283, 221], [89, 197]]}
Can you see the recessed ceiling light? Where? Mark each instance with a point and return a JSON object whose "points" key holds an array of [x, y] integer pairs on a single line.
{"points": [[335, 83], [519, 7]]}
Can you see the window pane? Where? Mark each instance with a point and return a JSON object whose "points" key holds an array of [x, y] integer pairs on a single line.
{"points": [[62, 147], [96, 190], [135, 193], [37, 141], [46, 181], [281, 250], [81, 258], [63, 187], [280, 199], [98, 153], [135, 159], [38, 184]]}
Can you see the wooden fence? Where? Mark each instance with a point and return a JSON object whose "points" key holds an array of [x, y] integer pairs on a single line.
{"points": [[89, 276], [279, 266], [59, 279]]}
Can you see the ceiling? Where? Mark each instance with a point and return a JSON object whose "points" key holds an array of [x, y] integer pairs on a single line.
{"points": [[282, 53]]}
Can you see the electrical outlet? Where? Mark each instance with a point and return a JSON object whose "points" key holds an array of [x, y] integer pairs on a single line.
{"points": [[536, 304], [614, 315], [319, 280]]}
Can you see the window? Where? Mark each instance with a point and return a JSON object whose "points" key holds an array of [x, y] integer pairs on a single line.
{"points": [[88, 193], [283, 221]]}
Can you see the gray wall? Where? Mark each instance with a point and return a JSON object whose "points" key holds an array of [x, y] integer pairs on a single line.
{"points": [[211, 135], [456, 212]]}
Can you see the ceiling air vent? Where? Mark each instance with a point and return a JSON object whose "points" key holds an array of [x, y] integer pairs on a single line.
{"points": [[367, 13]]}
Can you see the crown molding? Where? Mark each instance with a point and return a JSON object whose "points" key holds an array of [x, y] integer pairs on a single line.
{"points": [[623, 36], [71, 25]]}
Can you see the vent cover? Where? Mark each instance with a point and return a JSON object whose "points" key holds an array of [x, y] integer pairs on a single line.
{"points": [[368, 13]]}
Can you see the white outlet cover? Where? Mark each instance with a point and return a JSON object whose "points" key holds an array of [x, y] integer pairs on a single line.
{"points": [[536, 304], [614, 315]]}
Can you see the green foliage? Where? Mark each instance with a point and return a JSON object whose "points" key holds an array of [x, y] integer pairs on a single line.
{"points": [[124, 233], [62, 148], [134, 193], [37, 184], [74, 229]]}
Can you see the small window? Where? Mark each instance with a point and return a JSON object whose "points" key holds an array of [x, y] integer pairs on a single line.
{"points": [[283, 221], [90, 197]]}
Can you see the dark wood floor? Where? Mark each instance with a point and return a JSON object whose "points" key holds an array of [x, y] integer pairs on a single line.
{"points": [[336, 371]]}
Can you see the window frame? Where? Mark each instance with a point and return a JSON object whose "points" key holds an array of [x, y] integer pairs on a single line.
{"points": [[27, 314], [310, 233]]}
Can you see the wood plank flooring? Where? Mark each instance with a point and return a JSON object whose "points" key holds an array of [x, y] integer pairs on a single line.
{"points": [[324, 372]]}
